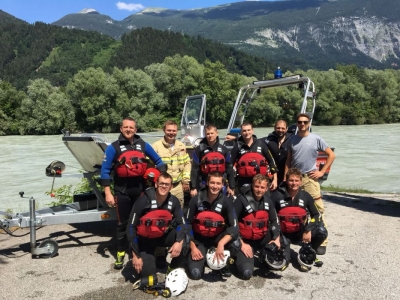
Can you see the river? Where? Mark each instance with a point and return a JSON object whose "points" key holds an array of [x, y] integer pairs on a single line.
{"points": [[366, 157]]}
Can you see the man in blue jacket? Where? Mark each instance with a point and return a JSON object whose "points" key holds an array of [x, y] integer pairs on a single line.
{"points": [[127, 158]]}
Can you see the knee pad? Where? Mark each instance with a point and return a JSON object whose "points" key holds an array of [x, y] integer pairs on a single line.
{"points": [[195, 273], [321, 231], [235, 247], [247, 274]]}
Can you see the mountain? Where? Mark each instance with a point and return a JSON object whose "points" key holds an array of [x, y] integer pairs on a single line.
{"points": [[296, 33], [57, 54], [7, 18], [92, 20]]}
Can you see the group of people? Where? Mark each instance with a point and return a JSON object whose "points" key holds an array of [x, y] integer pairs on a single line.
{"points": [[248, 203]]}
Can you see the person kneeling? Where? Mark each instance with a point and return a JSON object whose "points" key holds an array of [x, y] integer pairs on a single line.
{"points": [[258, 227], [156, 219], [213, 229], [300, 220]]}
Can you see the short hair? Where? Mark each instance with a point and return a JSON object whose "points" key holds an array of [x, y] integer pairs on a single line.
{"points": [[246, 124], [303, 115], [260, 177], [165, 175], [210, 126], [128, 119], [169, 122], [293, 171], [281, 121], [214, 174]]}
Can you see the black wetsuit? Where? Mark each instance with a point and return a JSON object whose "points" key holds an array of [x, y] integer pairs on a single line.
{"points": [[240, 148], [278, 153], [143, 246], [197, 179], [282, 199], [222, 206], [241, 204], [126, 189]]}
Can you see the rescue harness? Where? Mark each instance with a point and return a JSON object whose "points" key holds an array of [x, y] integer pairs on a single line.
{"points": [[292, 218], [252, 163], [254, 225], [156, 222], [131, 163], [208, 223], [212, 161]]}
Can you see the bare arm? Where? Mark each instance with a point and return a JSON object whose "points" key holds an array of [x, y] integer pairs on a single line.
{"points": [[331, 157], [329, 160]]}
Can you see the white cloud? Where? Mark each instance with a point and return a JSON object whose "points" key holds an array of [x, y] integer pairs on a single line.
{"points": [[129, 6]]}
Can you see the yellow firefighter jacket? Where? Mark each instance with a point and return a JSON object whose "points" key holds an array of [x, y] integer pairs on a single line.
{"points": [[176, 159]]}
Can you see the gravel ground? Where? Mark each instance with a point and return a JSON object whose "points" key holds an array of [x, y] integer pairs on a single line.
{"points": [[361, 261]]}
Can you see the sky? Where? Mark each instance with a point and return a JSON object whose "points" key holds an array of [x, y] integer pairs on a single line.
{"points": [[49, 11]]}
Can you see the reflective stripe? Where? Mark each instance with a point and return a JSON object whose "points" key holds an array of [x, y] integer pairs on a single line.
{"points": [[176, 160]]}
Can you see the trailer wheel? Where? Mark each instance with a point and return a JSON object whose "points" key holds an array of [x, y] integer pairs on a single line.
{"points": [[52, 248]]}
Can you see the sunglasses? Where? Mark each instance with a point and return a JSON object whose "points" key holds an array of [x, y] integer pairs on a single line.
{"points": [[303, 122]]}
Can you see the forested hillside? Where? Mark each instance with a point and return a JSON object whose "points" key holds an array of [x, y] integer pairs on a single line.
{"points": [[56, 54], [304, 34], [53, 78], [46, 51]]}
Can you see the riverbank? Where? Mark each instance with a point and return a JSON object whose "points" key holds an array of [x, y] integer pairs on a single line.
{"points": [[361, 261]]}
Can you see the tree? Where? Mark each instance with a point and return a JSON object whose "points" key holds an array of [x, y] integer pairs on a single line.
{"points": [[46, 110], [221, 89], [10, 101], [93, 93], [137, 97], [177, 77]]}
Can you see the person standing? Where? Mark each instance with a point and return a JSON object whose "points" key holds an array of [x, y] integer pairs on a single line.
{"points": [[210, 156], [277, 142], [173, 153], [251, 157], [127, 158], [303, 151]]}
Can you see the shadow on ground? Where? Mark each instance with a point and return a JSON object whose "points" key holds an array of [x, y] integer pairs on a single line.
{"points": [[80, 236], [371, 203]]}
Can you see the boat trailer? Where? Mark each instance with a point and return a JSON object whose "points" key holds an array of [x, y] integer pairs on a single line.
{"points": [[89, 207]]}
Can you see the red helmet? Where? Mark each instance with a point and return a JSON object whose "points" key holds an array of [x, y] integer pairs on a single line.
{"points": [[151, 174]]}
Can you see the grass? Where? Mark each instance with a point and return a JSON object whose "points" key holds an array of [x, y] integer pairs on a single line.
{"points": [[333, 188]]}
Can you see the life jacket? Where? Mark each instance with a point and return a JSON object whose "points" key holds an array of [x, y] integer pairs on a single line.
{"points": [[292, 218], [254, 225], [252, 163], [208, 223], [155, 223], [131, 162], [212, 161]]}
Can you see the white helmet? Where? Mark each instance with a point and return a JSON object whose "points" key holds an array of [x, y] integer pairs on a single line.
{"points": [[177, 281], [213, 263]]}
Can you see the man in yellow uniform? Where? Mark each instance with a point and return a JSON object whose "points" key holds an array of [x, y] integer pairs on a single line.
{"points": [[173, 154]]}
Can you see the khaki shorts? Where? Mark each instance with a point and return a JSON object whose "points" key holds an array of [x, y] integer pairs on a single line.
{"points": [[312, 187]]}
